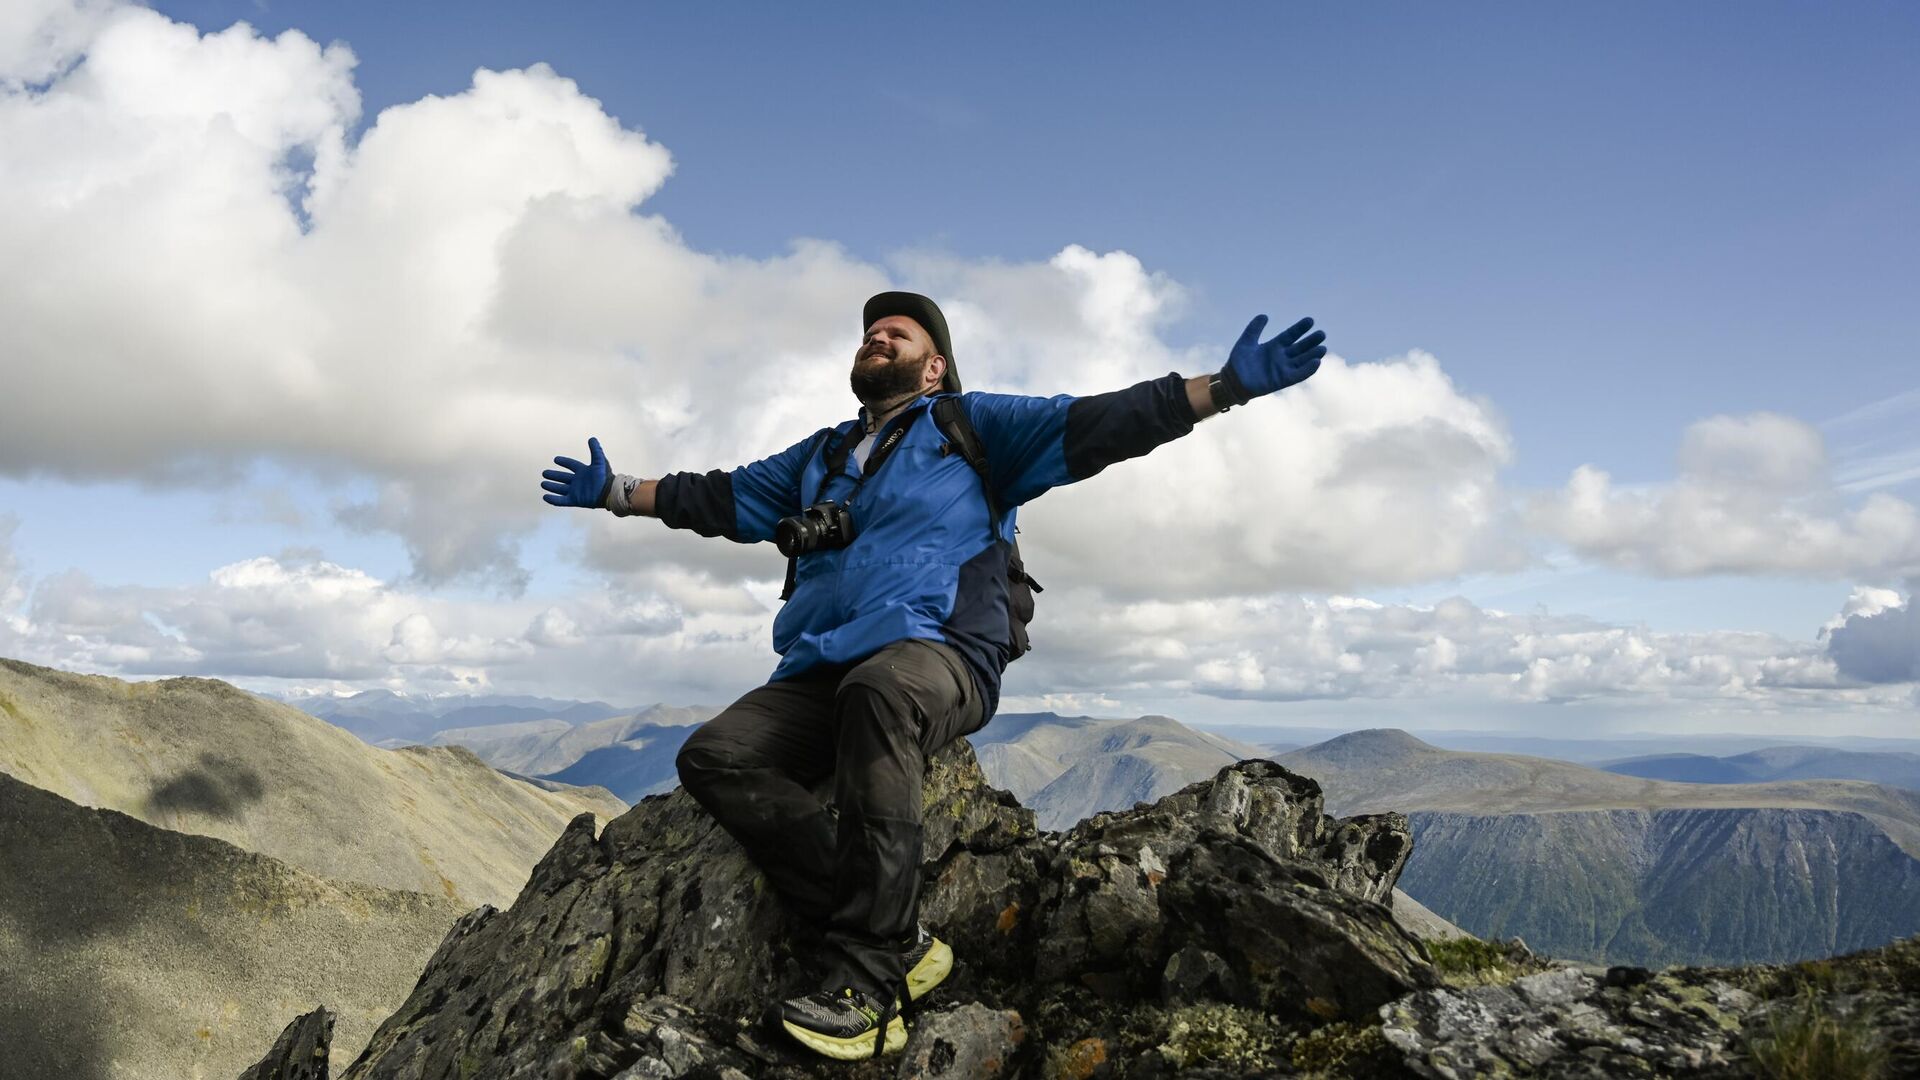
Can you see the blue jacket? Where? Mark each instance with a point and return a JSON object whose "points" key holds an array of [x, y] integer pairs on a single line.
{"points": [[923, 562]]}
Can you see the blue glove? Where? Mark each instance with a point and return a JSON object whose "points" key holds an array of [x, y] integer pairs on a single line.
{"points": [[584, 485], [1254, 369]]}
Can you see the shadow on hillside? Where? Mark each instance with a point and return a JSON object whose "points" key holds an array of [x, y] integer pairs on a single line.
{"points": [[215, 788], [58, 901]]}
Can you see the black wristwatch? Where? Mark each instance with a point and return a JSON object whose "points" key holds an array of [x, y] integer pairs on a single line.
{"points": [[1222, 387]]}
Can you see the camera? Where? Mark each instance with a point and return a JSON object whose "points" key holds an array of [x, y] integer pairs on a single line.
{"points": [[822, 526]]}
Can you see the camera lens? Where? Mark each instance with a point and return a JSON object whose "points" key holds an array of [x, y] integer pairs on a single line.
{"points": [[794, 536]]}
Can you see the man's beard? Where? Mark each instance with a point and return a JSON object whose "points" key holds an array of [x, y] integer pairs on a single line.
{"points": [[882, 382]]}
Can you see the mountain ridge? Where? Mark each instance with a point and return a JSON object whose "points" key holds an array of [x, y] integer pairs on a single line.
{"points": [[1606, 868], [201, 756], [135, 952], [1400, 772]]}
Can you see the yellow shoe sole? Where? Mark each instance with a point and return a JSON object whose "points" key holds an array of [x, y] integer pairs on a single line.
{"points": [[931, 971], [854, 1049]]}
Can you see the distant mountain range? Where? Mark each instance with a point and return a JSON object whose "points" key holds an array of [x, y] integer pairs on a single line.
{"points": [[1067, 768], [1591, 750], [1892, 768], [386, 718], [1591, 865], [631, 756]]}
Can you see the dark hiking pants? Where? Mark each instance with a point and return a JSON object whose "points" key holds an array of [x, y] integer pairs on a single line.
{"points": [[852, 869]]}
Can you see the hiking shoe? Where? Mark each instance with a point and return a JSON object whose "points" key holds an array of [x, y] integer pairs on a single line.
{"points": [[842, 1024], [928, 962]]}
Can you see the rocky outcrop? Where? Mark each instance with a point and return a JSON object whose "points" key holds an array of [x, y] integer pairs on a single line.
{"points": [[300, 1053], [1228, 930], [1134, 943], [1853, 1016]]}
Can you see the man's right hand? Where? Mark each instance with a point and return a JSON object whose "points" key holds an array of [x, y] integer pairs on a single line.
{"points": [[582, 484]]}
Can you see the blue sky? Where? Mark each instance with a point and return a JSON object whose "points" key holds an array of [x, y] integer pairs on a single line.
{"points": [[1611, 220], [1606, 224]]}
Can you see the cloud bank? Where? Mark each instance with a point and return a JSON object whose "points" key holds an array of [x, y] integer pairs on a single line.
{"points": [[210, 269], [1753, 495], [208, 272], [294, 620]]}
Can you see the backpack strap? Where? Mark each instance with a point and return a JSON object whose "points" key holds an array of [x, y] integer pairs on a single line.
{"points": [[961, 438], [951, 416]]}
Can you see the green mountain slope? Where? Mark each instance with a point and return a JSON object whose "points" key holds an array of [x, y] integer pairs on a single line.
{"points": [[137, 953], [200, 756]]}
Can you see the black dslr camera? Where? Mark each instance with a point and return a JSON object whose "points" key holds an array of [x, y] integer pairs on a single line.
{"points": [[820, 527]]}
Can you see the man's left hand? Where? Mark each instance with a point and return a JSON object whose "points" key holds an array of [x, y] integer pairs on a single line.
{"points": [[1254, 369]]}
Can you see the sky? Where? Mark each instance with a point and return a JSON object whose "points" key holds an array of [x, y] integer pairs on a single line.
{"points": [[1618, 433]]}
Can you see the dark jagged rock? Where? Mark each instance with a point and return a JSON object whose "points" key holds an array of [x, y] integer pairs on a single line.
{"points": [[1228, 930], [1153, 940], [1224, 891], [300, 1053], [1681, 1022]]}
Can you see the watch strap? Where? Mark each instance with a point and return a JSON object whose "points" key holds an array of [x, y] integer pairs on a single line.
{"points": [[1225, 390]]}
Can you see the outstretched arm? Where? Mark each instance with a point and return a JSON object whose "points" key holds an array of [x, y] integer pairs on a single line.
{"points": [[741, 504], [1036, 443]]}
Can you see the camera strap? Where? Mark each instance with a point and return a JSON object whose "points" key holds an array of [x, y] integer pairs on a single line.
{"points": [[839, 447]]}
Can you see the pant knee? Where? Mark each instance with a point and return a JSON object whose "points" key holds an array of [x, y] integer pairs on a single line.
{"points": [[699, 764]]}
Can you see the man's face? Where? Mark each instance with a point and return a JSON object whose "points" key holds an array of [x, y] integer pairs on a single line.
{"points": [[892, 359]]}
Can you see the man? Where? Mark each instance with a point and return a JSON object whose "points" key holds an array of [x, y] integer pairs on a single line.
{"points": [[896, 629]]}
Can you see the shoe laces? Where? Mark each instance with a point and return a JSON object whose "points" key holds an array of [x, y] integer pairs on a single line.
{"points": [[845, 994]]}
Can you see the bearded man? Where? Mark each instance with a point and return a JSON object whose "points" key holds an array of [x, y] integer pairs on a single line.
{"points": [[896, 626]]}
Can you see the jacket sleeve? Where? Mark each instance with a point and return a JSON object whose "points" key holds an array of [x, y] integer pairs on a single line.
{"points": [[1035, 443], [741, 505]]}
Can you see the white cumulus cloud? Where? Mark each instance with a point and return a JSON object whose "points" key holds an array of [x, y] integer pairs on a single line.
{"points": [[207, 272], [1876, 637], [1753, 495]]}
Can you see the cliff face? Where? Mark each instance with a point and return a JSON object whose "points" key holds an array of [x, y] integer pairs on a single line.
{"points": [[1593, 866], [1653, 887], [1233, 902]]}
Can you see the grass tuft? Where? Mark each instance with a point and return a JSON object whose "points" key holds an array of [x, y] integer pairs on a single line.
{"points": [[1468, 961], [1805, 1039]]}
